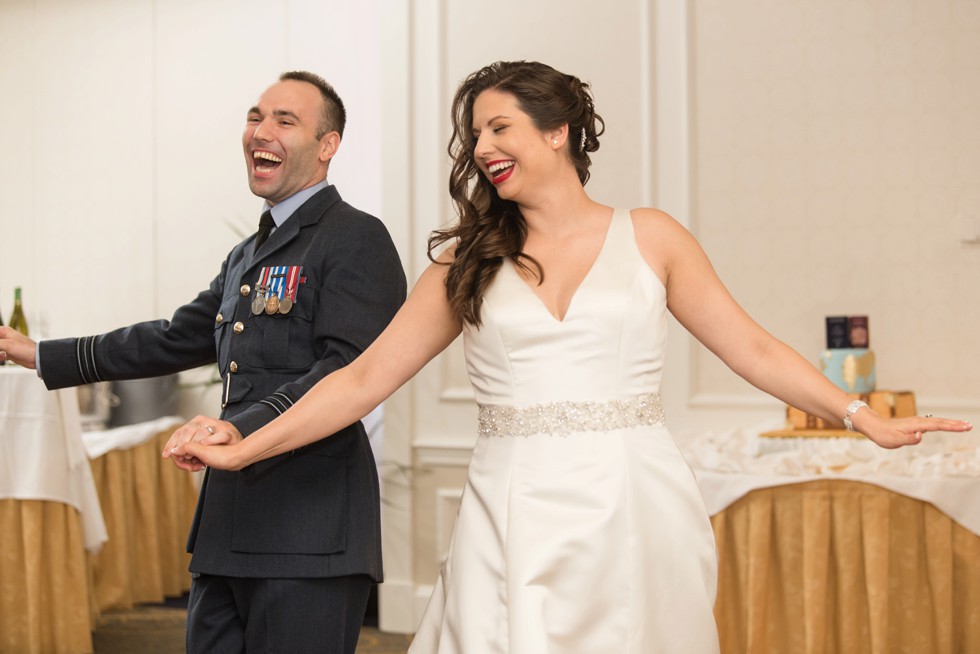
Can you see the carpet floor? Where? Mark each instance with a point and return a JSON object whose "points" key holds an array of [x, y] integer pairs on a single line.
{"points": [[160, 630]]}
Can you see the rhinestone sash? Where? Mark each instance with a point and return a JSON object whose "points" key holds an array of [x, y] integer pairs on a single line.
{"points": [[563, 418]]}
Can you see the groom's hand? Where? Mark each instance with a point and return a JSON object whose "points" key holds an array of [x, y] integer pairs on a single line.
{"points": [[204, 430]]}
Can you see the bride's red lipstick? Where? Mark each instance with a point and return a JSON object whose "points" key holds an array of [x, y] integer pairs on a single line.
{"points": [[501, 174]]}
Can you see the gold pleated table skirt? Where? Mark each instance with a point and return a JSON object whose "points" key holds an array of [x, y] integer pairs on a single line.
{"points": [[52, 591], [148, 505], [44, 591], [828, 567]]}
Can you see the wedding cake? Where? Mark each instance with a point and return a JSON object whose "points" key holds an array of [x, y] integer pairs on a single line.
{"points": [[849, 363], [848, 360]]}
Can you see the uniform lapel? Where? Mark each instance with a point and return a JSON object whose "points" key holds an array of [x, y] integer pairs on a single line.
{"points": [[309, 213]]}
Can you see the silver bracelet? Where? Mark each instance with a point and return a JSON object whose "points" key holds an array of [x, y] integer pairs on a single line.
{"points": [[852, 408]]}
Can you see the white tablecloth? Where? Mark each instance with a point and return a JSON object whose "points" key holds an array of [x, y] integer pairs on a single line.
{"points": [[43, 455], [102, 441], [943, 470]]}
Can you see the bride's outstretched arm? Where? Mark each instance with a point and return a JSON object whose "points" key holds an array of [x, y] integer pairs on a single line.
{"points": [[422, 328], [700, 302]]}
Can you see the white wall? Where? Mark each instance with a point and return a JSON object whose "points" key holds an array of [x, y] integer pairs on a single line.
{"points": [[124, 183]]}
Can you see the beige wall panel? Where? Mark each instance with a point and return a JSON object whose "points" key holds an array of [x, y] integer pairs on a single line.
{"points": [[438, 489], [601, 43], [203, 93], [833, 144], [17, 224], [82, 135]]}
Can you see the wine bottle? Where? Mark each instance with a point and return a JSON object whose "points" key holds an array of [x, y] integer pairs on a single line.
{"points": [[18, 321]]}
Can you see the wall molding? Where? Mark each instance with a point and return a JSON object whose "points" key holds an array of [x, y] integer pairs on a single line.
{"points": [[457, 394], [442, 452], [401, 605], [447, 508], [754, 402]]}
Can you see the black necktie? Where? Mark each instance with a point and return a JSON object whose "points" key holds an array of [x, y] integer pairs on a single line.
{"points": [[265, 228]]}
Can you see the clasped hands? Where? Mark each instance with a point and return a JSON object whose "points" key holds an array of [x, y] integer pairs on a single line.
{"points": [[204, 442]]}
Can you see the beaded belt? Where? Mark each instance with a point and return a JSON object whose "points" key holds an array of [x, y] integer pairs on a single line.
{"points": [[563, 418]]}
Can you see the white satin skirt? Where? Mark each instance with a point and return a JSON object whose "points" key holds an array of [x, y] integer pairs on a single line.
{"points": [[586, 543]]}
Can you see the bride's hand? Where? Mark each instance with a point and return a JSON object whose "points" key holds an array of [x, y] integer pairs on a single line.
{"points": [[220, 456], [897, 432]]}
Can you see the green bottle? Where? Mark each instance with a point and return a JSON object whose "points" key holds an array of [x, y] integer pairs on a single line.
{"points": [[18, 321]]}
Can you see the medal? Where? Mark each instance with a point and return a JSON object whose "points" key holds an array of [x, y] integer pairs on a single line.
{"points": [[286, 303], [258, 302], [272, 304]]}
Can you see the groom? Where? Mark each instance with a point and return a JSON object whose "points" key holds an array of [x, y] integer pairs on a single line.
{"points": [[284, 552]]}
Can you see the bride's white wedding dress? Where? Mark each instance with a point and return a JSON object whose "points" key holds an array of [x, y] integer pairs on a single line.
{"points": [[581, 528]]}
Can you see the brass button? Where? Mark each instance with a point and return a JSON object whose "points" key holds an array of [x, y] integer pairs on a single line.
{"points": [[218, 319], [239, 327], [233, 367], [246, 289]]}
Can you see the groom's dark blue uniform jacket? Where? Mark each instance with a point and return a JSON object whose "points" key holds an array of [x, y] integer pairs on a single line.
{"points": [[315, 295]]}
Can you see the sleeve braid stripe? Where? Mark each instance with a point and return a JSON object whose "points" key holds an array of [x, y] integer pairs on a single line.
{"points": [[284, 399], [85, 356], [278, 402], [272, 405]]}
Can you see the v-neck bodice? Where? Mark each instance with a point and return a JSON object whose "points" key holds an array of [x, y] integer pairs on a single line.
{"points": [[610, 343], [571, 300]]}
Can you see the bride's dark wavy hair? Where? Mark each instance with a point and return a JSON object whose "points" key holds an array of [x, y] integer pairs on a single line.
{"points": [[490, 228]]}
